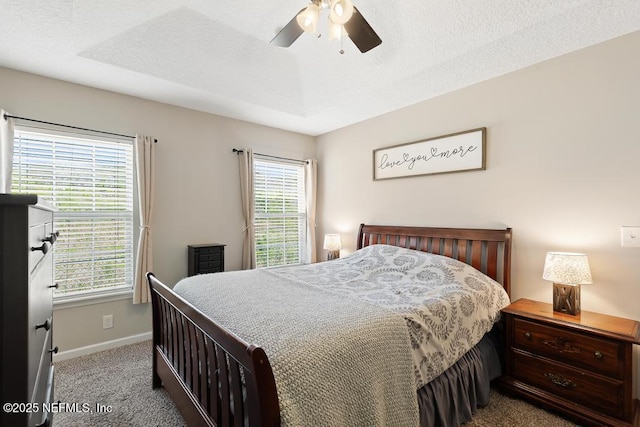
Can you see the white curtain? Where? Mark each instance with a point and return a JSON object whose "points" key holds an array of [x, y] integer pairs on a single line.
{"points": [[6, 152], [310, 187], [246, 191], [145, 169]]}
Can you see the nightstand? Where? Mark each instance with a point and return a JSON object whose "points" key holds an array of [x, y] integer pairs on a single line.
{"points": [[203, 259], [580, 366]]}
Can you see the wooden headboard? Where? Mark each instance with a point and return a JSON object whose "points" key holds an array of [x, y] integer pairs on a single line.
{"points": [[488, 251]]}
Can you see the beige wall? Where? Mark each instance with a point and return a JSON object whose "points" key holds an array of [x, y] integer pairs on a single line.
{"points": [[197, 196], [563, 169]]}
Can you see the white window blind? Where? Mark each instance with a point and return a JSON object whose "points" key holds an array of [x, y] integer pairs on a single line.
{"points": [[91, 183], [280, 213]]}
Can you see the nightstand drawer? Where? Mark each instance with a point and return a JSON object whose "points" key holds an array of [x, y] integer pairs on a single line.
{"points": [[579, 350], [577, 386], [211, 256], [217, 265], [209, 250]]}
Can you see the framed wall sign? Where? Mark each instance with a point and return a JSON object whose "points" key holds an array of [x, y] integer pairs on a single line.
{"points": [[457, 152]]}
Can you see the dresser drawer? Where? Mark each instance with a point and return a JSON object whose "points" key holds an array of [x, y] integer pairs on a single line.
{"points": [[40, 228], [44, 382], [45, 416], [40, 317], [37, 233], [578, 386], [576, 349]]}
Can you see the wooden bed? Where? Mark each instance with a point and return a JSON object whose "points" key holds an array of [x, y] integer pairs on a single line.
{"points": [[202, 365]]}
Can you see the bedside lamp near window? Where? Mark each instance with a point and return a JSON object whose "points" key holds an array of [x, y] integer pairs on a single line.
{"points": [[567, 271], [332, 244]]}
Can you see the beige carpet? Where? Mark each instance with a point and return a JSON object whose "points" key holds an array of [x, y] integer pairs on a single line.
{"points": [[120, 381], [504, 411]]}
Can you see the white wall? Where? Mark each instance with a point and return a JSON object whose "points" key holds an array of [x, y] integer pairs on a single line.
{"points": [[563, 170], [197, 197]]}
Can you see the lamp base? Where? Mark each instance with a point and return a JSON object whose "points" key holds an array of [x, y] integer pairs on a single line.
{"points": [[566, 298], [333, 255]]}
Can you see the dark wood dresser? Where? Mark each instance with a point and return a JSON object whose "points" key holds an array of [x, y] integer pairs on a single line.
{"points": [[27, 237], [581, 366], [203, 259]]}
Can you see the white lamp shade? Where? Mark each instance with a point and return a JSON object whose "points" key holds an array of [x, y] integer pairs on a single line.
{"points": [[332, 242], [340, 11], [567, 268], [308, 18]]}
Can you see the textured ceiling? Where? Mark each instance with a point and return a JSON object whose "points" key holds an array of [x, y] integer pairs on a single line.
{"points": [[215, 56]]}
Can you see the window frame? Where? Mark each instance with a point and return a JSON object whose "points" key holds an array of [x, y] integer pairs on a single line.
{"points": [[112, 293], [301, 216]]}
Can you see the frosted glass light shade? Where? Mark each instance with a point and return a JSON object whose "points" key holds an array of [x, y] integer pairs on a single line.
{"points": [[567, 268], [336, 31], [340, 11], [308, 18]]}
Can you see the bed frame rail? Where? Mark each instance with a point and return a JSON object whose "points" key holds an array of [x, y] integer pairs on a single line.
{"points": [[488, 251], [214, 377]]}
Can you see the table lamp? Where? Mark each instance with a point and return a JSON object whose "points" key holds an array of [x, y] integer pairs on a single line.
{"points": [[567, 271], [332, 244]]}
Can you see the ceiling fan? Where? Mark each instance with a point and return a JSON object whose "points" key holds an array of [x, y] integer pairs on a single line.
{"points": [[344, 20]]}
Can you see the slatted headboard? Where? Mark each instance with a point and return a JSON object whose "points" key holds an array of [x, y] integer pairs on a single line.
{"points": [[488, 251]]}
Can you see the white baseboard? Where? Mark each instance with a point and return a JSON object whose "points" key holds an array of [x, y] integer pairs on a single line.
{"points": [[107, 345]]}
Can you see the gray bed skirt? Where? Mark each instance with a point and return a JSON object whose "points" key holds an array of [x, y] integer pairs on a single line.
{"points": [[453, 397]]}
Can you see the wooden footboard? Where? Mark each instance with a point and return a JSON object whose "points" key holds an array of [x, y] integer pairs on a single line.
{"points": [[214, 378]]}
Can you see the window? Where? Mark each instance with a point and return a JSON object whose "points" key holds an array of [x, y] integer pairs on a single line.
{"points": [[280, 213], [91, 183]]}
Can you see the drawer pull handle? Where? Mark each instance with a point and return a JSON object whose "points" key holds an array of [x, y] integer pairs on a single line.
{"points": [[54, 286], [560, 380], [527, 335], [598, 355], [44, 248], [46, 325], [54, 350], [52, 237]]}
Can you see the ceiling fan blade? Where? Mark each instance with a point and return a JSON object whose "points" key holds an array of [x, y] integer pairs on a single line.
{"points": [[361, 33], [289, 33]]}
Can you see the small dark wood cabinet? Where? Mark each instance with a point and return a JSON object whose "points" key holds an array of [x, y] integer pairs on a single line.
{"points": [[208, 258], [27, 238], [578, 365]]}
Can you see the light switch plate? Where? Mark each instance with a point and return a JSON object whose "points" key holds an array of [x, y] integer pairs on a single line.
{"points": [[630, 236]]}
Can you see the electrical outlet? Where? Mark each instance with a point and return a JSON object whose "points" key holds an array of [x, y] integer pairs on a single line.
{"points": [[630, 236], [107, 321]]}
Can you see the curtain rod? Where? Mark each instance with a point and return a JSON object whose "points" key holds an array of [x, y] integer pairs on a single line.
{"points": [[235, 150], [9, 116]]}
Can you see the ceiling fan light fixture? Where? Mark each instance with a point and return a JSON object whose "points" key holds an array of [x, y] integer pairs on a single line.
{"points": [[308, 18], [336, 31], [340, 11], [344, 20]]}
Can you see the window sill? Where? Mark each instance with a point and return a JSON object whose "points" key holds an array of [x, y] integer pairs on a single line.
{"points": [[63, 303]]}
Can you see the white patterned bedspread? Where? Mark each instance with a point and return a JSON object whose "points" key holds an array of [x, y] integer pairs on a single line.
{"points": [[447, 304], [350, 340]]}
